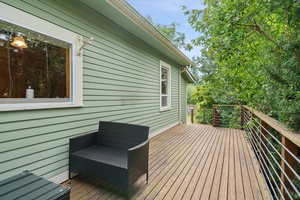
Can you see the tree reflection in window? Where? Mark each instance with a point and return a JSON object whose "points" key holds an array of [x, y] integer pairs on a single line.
{"points": [[44, 65]]}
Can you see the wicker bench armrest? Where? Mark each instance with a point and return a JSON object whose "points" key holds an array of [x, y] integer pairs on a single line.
{"points": [[138, 155], [82, 141], [137, 147]]}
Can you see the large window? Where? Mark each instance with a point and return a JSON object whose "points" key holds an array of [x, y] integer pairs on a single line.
{"points": [[34, 67], [37, 68], [165, 86]]}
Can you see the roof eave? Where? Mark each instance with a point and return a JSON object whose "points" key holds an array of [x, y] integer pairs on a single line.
{"points": [[189, 76], [143, 28]]}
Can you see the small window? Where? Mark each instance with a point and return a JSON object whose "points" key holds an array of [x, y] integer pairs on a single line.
{"points": [[37, 68], [165, 86]]}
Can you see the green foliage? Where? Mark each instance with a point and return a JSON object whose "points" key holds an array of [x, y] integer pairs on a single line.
{"points": [[297, 183], [234, 117], [230, 116], [273, 157], [171, 33], [178, 39], [190, 90], [203, 95], [204, 116], [251, 54]]}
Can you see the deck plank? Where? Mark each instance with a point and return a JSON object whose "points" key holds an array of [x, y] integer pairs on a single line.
{"points": [[170, 187], [245, 171], [212, 182], [178, 188], [223, 190], [205, 180], [181, 191], [198, 170], [166, 172], [189, 162], [216, 179], [258, 185], [168, 157], [231, 179], [240, 193]]}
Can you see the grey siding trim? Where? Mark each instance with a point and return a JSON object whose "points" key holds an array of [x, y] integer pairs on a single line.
{"points": [[120, 83]]}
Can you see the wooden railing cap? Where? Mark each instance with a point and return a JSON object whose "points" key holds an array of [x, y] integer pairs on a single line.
{"points": [[283, 130]]}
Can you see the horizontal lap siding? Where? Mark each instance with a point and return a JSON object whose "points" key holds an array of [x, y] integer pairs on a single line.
{"points": [[183, 99], [121, 83]]}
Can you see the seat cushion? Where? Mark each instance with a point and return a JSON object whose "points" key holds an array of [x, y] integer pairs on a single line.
{"points": [[103, 154]]}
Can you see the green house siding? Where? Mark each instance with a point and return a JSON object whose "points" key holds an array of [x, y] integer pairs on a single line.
{"points": [[120, 83], [183, 99]]}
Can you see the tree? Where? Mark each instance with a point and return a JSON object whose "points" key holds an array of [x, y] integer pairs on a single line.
{"points": [[191, 89], [171, 33], [178, 39], [251, 50]]}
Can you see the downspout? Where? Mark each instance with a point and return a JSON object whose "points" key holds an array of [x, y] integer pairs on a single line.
{"points": [[179, 94]]}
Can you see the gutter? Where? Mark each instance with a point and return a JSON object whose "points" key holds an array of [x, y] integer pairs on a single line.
{"points": [[179, 93]]}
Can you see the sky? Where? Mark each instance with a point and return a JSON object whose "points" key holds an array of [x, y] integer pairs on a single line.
{"points": [[167, 11]]}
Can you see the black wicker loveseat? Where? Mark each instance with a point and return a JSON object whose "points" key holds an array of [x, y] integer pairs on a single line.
{"points": [[117, 153]]}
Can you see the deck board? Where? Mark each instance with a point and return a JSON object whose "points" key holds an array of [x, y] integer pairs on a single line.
{"points": [[244, 171], [201, 149], [223, 189], [213, 178], [216, 178], [205, 169], [189, 162], [238, 171]]}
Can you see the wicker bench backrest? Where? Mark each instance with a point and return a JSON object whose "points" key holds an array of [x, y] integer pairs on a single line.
{"points": [[121, 135]]}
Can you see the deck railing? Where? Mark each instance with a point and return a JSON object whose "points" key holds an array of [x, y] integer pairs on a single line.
{"points": [[226, 116], [276, 149]]}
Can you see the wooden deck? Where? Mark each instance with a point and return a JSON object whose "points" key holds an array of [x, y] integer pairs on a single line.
{"points": [[189, 162]]}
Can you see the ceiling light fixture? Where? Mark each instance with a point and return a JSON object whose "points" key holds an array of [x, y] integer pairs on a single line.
{"points": [[19, 42]]}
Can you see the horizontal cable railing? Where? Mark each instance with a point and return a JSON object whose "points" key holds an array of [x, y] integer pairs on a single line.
{"points": [[276, 148], [226, 116], [277, 152]]}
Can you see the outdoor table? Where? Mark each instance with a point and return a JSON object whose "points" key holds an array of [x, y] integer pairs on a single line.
{"points": [[29, 186]]}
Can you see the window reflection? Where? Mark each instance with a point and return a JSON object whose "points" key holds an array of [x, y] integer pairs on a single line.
{"points": [[44, 65]]}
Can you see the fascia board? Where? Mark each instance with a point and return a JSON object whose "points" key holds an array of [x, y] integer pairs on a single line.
{"points": [[121, 13]]}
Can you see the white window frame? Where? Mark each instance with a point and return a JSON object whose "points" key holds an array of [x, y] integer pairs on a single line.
{"points": [[23, 19], [168, 107]]}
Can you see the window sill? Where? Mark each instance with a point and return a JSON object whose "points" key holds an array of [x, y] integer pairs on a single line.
{"points": [[34, 100], [164, 109], [35, 106]]}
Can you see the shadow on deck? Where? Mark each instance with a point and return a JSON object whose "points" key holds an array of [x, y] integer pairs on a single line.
{"points": [[189, 162]]}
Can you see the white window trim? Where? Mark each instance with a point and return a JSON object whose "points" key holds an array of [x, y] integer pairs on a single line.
{"points": [[23, 19], [165, 108]]}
